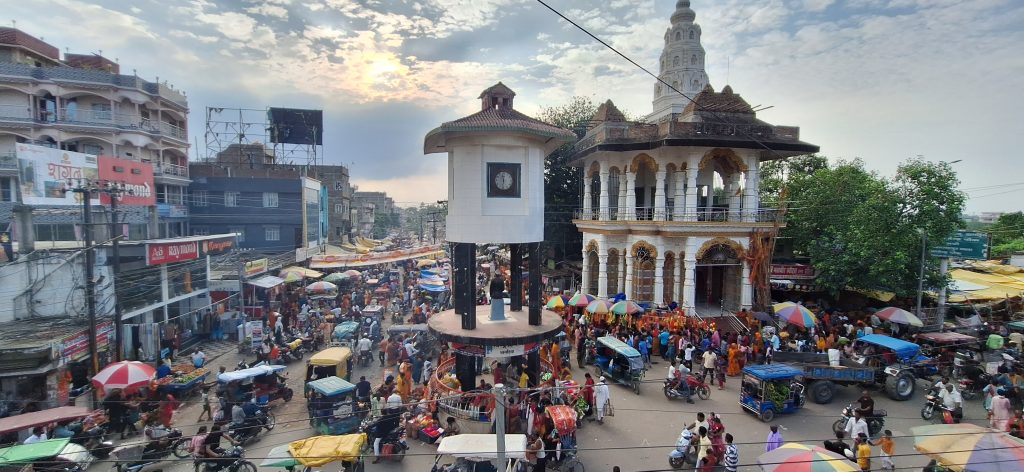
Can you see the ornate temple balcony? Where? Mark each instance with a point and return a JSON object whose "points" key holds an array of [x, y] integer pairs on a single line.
{"points": [[702, 215]]}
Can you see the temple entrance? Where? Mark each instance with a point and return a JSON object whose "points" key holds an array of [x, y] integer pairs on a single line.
{"points": [[718, 283], [643, 274]]}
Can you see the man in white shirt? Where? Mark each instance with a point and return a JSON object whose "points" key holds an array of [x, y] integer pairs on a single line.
{"points": [[198, 358], [688, 356], [363, 345], [38, 435], [710, 358], [394, 401], [856, 425], [951, 398]]}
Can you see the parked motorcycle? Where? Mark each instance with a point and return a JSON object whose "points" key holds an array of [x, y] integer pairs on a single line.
{"points": [[678, 457], [164, 441], [876, 422], [365, 358], [232, 462]]}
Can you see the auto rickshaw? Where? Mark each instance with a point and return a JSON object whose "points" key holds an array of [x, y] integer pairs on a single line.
{"points": [[347, 332], [619, 362], [332, 406], [771, 389], [479, 453], [370, 314], [260, 381], [57, 455], [336, 361], [305, 454]]}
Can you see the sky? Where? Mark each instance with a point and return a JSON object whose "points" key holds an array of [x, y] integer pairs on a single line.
{"points": [[880, 80]]}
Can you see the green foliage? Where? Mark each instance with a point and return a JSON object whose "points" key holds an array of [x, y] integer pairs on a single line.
{"points": [[1008, 248], [774, 174], [562, 182], [1008, 228], [383, 224], [864, 231]]}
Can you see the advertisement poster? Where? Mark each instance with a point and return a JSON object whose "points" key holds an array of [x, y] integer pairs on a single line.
{"points": [[136, 176], [44, 173], [162, 253], [256, 332]]}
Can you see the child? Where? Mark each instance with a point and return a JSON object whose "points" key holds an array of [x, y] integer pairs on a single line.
{"points": [[206, 405], [887, 446]]}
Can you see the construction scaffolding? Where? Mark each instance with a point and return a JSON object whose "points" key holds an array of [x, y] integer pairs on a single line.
{"points": [[243, 130]]}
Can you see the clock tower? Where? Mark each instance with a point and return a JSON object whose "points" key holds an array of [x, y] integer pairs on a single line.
{"points": [[495, 197]]}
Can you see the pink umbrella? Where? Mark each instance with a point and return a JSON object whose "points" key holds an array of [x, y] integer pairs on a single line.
{"points": [[899, 316], [124, 375]]}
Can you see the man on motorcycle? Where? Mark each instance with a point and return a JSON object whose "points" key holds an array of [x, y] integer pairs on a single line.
{"points": [[363, 346], [211, 446], [679, 382], [952, 401], [867, 404]]}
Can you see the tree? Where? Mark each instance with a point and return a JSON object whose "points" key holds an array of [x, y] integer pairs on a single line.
{"points": [[776, 173], [863, 231], [562, 182], [1007, 234]]}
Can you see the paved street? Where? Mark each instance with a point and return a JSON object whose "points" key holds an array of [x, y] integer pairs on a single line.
{"points": [[638, 438]]}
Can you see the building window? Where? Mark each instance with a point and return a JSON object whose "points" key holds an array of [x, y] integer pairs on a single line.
{"points": [[93, 149], [675, 61], [138, 232], [691, 34], [693, 60], [200, 231], [101, 111], [55, 232], [6, 190], [269, 199], [678, 36], [240, 231], [230, 199], [199, 198], [339, 208], [272, 233]]}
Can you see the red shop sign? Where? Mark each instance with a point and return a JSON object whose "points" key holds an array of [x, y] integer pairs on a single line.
{"points": [[162, 253], [793, 271], [136, 176]]}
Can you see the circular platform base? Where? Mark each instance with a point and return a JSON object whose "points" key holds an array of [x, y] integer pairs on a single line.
{"points": [[514, 330]]}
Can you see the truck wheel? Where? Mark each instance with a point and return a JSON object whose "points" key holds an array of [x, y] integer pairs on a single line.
{"points": [[900, 387], [767, 415], [822, 392]]}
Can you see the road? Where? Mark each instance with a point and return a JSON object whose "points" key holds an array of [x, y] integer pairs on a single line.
{"points": [[639, 436]]}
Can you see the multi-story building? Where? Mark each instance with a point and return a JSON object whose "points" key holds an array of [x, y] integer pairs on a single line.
{"points": [[371, 206], [671, 204], [83, 103]]}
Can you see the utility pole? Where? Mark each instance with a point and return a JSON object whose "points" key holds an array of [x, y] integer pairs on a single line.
{"points": [[115, 238], [920, 275], [499, 424], [85, 188]]}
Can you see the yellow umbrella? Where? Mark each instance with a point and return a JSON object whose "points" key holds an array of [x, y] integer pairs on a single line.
{"points": [[425, 263], [292, 277], [969, 448]]}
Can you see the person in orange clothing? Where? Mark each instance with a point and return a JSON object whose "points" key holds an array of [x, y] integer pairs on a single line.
{"points": [[556, 358], [734, 360]]}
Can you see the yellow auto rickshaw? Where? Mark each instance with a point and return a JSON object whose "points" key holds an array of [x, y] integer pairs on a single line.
{"points": [[336, 361]]}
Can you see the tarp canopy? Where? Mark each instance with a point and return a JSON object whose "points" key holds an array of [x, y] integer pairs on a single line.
{"points": [[249, 373], [482, 446], [320, 450], [267, 281], [42, 418], [25, 453], [331, 386], [993, 286]]}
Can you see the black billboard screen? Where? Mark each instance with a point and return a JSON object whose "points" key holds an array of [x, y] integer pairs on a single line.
{"points": [[296, 126]]}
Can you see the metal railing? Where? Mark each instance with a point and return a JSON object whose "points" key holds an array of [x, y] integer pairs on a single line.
{"points": [[88, 117], [171, 169], [8, 160], [702, 214], [72, 75]]}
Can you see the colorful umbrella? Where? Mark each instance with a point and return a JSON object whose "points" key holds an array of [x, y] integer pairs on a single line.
{"points": [[795, 457], [581, 300], [124, 375], [425, 263], [626, 307], [335, 277], [760, 315], [796, 315], [967, 447], [899, 316], [351, 273], [778, 306], [321, 287], [292, 277], [556, 301], [599, 307], [308, 273]]}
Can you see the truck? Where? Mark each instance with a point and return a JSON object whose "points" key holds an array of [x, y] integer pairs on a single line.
{"points": [[895, 366]]}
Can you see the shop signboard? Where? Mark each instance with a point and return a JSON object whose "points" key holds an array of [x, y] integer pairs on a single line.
{"points": [[163, 253], [76, 347], [792, 271], [256, 267], [44, 173], [136, 176], [504, 351], [963, 245], [219, 245]]}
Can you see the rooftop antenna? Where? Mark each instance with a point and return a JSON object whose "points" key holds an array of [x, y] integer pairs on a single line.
{"points": [[728, 68], [14, 24]]}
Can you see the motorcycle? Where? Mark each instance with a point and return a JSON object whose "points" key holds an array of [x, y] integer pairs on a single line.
{"points": [[288, 355], [253, 426], [363, 407], [392, 442], [365, 358], [932, 402], [232, 462], [397, 318], [93, 440], [876, 422], [678, 457], [697, 387], [164, 441], [970, 389], [591, 352]]}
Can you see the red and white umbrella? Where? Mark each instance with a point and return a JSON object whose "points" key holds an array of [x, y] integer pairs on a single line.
{"points": [[124, 375], [899, 316]]}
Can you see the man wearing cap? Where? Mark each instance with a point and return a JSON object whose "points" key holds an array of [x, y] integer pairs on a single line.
{"points": [[603, 397]]}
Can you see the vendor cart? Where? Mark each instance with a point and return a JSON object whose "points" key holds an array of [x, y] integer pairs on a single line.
{"points": [[771, 389], [183, 386], [564, 457]]}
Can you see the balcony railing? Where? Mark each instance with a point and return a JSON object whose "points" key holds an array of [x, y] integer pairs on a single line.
{"points": [[171, 169], [702, 214], [73, 75], [86, 117], [8, 160]]}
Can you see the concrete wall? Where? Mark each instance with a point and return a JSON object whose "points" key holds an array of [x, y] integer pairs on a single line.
{"points": [[52, 285]]}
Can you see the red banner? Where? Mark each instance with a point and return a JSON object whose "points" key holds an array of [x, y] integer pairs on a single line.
{"points": [[136, 176], [76, 346], [793, 271], [162, 253]]}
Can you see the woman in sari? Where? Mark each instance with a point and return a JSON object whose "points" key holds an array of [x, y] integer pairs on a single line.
{"points": [[734, 360], [167, 408], [716, 431], [404, 381]]}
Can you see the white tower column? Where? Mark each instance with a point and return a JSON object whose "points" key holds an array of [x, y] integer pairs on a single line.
{"points": [[735, 200], [588, 211], [629, 276], [622, 197], [659, 196], [659, 280], [689, 278], [750, 191], [623, 274], [585, 273], [631, 195], [603, 213], [602, 274], [691, 194], [678, 279], [680, 196], [746, 289]]}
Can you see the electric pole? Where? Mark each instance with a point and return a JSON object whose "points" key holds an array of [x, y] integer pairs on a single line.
{"points": [[499, 424]]}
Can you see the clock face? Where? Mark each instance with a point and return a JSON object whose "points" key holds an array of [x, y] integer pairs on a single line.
{"points": [[503, 180]]}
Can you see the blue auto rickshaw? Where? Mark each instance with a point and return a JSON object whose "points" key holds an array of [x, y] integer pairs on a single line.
{"points": [[771, 389], [347, 332], [332, 406], [618, 361]]}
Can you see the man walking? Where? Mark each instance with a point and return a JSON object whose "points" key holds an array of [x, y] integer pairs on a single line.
{"points": [[603, 397], [710, 359]]}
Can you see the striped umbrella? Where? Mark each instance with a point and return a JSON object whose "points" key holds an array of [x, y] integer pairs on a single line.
{"points": [[626, 307], [335, 277], [124, 375], [796, 315], [321, 287], [899, 316], [351, 273], [554, 302], [581, 300], [795, 457], [969, 448], [599, 307]]}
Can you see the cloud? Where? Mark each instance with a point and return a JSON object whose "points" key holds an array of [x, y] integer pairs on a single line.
{"points": [[816, 5]]}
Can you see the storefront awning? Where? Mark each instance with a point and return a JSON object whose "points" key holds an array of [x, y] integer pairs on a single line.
{"points": [[267, 281]]}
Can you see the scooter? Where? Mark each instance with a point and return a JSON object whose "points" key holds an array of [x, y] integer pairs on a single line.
{"points": [[876, 422], [678, 457], [225, 463], [164, 441], [931, 403]]}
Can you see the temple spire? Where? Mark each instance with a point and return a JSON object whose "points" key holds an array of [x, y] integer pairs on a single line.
{"points": [[682, 65]]}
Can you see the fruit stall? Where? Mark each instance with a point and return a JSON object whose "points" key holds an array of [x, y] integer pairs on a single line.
{"points": [[184, 381]]}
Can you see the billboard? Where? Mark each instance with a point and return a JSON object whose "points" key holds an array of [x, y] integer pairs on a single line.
{"points": [[44, 173], [136, 176], [296, 126], [311, 213], [963, 245], [163, 253]]}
